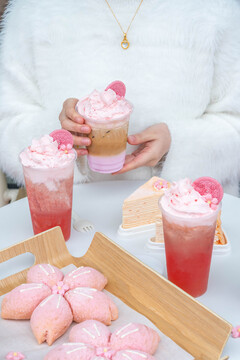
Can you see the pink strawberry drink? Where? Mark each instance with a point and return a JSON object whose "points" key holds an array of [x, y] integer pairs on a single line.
{"points": [[108, 115], [48, 171], [189, 223]]}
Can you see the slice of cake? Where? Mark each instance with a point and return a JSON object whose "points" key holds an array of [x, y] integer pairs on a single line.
{"points": [[141, 207]]}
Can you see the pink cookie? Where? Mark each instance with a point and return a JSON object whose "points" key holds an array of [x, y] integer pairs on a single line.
{"points": [[20, 303], [51, 318], [207, 185], [136, 337], [71, 351], [132, 355], [85, 277], [90, 332], [118, 87], [91, 304], [44, 273], [63, 137]]}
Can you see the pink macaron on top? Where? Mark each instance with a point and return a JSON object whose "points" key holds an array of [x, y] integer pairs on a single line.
{"points": [[107, 105]]}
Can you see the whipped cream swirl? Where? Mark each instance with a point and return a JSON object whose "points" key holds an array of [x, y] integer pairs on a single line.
{"points": [[182, 200], [44, 153], [104, 106]]}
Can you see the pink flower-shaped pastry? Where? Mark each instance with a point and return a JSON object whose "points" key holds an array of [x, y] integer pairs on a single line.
{"points": [[15, 355], [44, 273], [236, 331], [48, 307], [51, 319], [85, 277], [19, 303], [89, 303], [130, 342], [132, 355], [213, 202], [135, 336], [71, 351], [91, 332]]}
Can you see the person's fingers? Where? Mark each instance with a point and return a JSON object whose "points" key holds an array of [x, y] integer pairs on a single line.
{"points": [[81, 152], [135, 162], [70, 111], [81, 140], [75, 127], [142, 137]]}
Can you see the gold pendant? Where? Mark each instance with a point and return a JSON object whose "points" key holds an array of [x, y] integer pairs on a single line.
{"points": [[125, 43]]}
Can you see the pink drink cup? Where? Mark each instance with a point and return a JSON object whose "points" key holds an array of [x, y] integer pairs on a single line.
{"points": [[188, 247], [49, 192], [107, 151]]}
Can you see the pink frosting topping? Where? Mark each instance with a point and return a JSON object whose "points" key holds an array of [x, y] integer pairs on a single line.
{"points": [[182, 200], [104, 106], [44, 153]]}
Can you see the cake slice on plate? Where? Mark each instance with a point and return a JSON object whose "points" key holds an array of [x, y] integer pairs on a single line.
{"points": [[141, 207]]}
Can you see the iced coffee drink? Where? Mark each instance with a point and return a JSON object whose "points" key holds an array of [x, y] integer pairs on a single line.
{"points": [[189, 224], [48, 171], [108, 116]]}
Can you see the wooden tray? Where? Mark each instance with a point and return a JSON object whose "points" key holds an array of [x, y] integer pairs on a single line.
{"points": [[192, 326]]}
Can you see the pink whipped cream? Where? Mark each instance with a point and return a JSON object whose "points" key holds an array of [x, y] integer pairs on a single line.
{"points": [[44, 153], [104, 106], [182, 200]]}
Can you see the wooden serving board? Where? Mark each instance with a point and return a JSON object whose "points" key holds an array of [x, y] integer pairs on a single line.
{"points": [[188, 323]]}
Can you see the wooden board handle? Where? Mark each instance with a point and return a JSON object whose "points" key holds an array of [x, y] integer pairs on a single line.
{"points": [[47, 247]]}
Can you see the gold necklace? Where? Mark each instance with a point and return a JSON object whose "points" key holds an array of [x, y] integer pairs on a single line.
{"points": [[125, 43]]}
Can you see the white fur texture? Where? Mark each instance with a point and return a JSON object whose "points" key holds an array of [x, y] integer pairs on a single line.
{"points": [[182, 68]]}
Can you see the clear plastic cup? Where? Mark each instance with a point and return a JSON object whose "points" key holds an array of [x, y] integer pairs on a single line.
{"points": [[49, 192], [188, 247]]}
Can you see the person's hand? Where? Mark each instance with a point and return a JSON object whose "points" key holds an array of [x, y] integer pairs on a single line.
{"points": [[70, 120], [154, 143]]}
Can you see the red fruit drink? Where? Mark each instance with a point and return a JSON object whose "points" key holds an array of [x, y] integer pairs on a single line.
{"points": [[189, 224], [48, 172]]}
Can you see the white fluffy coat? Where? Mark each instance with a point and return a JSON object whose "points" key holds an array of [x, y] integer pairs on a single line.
{"points": [[182, 68]]}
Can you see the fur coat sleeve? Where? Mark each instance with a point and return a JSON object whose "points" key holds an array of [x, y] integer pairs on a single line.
{"points": [[213, 139]]}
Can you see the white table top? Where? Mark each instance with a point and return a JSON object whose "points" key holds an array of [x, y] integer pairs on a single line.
{"points": [[101, 204]]}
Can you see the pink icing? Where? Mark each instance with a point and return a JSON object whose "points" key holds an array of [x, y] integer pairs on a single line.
{"points": [[15, 355], [44, 153], [60, 288], [182, 200], [104, 106]]}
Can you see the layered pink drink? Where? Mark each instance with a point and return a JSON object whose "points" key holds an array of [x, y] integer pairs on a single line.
{"points": [[189, 224], [48, 172], [108, 116]]}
